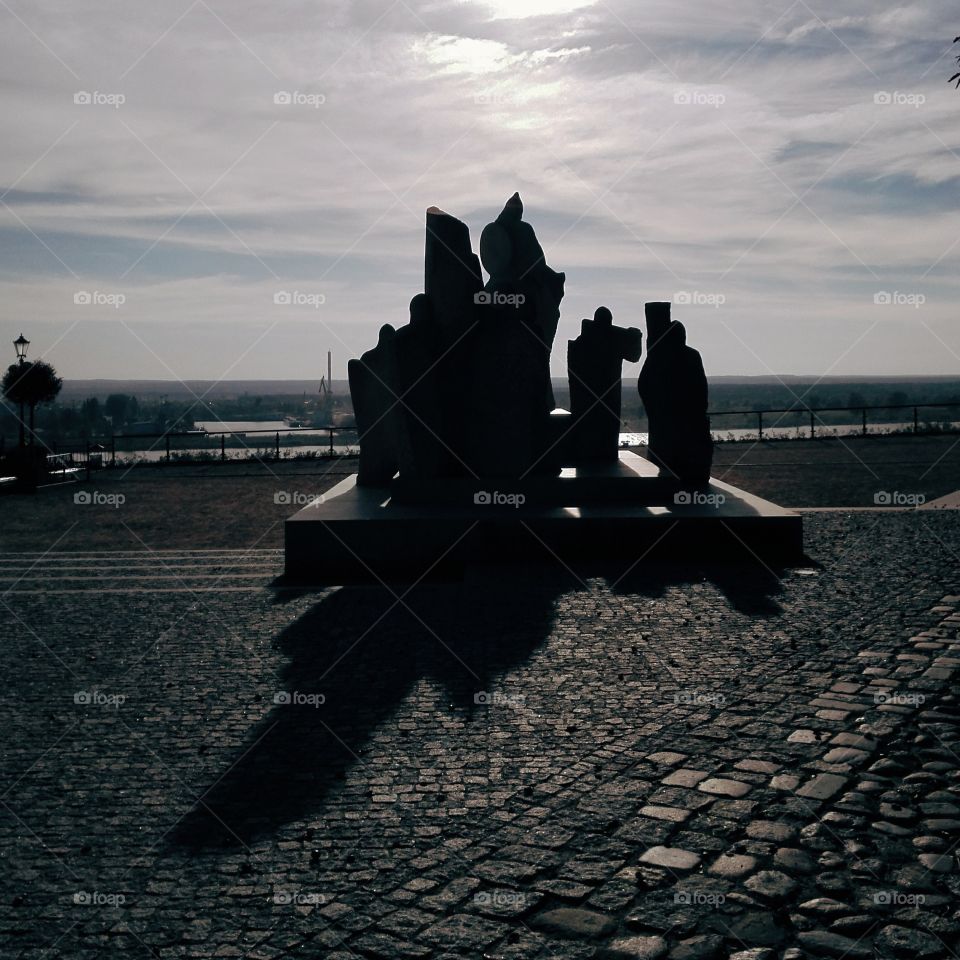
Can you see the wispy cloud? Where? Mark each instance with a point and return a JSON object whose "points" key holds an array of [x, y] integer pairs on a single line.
{"points": [[792, 158]]}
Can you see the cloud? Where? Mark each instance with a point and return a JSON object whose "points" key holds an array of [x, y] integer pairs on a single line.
{"points": [[727, 147]]}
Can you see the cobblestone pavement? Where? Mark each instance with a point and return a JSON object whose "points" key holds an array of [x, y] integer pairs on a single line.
{"points": [[681, 762]]}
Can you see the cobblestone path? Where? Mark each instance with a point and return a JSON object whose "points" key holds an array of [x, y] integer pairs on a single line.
{"points": [[683, 763]]}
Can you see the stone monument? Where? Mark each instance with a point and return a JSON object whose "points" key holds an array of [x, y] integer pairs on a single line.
{"points": [[673, 388], [594, 370], [464, 459], [374, 391]]}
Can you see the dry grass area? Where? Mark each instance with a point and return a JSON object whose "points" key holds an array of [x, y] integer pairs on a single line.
{"points": [[230, 505], [233, 505], [841, 473]]}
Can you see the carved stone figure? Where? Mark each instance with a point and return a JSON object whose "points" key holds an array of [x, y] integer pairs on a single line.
{"points": [[463, 390], [374, 391], [508, 390], [673, 388], [594, 369]]}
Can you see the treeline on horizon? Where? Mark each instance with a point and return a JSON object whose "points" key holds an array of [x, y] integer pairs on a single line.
{"points": [[76, 414]]}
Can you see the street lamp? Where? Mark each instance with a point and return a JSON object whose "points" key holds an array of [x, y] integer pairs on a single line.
{"points": [[21, 344]]}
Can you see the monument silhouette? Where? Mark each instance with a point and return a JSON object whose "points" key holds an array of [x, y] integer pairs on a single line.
{"points": [[465, 388], [594, 368], [673, 388], [464, 457]]}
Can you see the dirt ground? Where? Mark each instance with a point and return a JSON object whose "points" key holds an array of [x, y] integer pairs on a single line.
{"points": [[243, 505]]}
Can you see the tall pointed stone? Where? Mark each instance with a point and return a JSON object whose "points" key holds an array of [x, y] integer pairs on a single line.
{"points": [[452, 274]]}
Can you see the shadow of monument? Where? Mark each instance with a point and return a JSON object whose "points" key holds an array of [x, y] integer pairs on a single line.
{"points": [[364, 652], [750, 588]]}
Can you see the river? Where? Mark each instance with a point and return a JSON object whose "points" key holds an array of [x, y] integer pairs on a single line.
{"points": [[266, 442]]}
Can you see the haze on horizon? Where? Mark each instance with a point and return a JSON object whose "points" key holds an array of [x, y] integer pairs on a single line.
{"points": [[787, 174]]}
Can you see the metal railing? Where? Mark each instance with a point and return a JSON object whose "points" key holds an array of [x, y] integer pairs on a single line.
{"points": [[200, 435], [82, 452], [813, 414], [94, 452]]}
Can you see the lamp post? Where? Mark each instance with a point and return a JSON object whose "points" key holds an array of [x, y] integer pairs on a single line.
{"points": [[21, 344]]}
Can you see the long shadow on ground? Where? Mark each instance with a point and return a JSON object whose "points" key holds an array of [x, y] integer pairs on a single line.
{"points": [[363, 651]]}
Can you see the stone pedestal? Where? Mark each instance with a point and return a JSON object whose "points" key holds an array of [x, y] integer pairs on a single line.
{"points": [[589, 518]]}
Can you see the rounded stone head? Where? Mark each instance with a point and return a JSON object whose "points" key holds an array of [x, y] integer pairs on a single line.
{"points": [[496, 251], [421, 312], [603, 316]]}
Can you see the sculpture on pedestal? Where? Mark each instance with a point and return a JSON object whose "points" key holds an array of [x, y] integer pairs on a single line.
{"points": [[374, 391], [508, 388], [464, 461], [673, 388], [594, 369], [464, 389]]}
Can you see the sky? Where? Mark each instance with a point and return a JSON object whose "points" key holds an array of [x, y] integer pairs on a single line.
{"points": [[208, 190]]}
